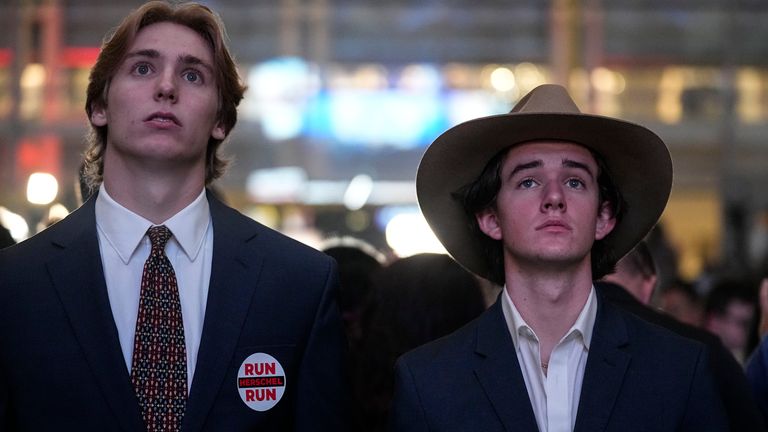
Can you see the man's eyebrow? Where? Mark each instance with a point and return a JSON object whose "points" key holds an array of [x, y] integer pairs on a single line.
{"points": [[144, 53], [524, 166], [192, 60], [569, 163], [185, 59]]}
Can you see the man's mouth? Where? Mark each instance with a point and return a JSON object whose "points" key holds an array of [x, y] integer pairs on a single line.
{"points": [[553, 224], [162, 117]]}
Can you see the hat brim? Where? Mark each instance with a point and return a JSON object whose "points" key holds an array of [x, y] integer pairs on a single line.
{"points": [[638, 160]]}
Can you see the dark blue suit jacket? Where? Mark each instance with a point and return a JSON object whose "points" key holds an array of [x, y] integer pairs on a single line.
{"points": [[638, 377], [61, 366], [727, 374], [757, 374]]}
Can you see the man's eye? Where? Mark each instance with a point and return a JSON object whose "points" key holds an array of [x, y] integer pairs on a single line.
{"points": [[575, 183], [527, 183], [192, 76], [142, 69]]}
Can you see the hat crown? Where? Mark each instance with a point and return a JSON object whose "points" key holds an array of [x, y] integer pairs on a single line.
{"points": [[547, 98]]}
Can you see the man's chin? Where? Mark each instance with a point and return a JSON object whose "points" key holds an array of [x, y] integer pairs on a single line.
{"points": [[557, 259]]}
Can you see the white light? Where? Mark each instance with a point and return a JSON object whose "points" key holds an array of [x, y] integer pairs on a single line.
{"points": [[502, 79], [42, 188], [408, 234], [279, 91], [528, 76], [358, 192], [57, 212], [282, 78], [421, 78], [33, 76], [15, 224], [606, 80], [283, 121], [283, 184], [463, 105], [371, 76]]}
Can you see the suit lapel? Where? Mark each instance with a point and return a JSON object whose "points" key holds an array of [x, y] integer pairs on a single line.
{"points": [[77, 274], [498, 372], [234, 272], [606, 365]]}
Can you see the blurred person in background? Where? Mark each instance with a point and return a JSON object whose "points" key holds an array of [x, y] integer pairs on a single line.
{"points": [[358, 262], [543, 201], [635, 274], [730, 312], [665, 255], [5, 237], [680, 300], [631, 287], [415, 300], [757, 365], [154, 306]]}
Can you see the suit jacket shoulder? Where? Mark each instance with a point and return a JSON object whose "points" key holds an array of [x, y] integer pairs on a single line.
{"points": [[232, 222]]}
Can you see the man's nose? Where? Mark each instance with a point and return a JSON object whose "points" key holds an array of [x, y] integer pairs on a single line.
{"points": [[553, 198], [166, 88]]}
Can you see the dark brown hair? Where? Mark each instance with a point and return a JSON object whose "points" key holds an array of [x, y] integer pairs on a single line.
{"points": [[197, 17], [481, 194]]}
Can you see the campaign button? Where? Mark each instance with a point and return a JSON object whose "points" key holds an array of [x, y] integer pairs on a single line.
{"points": [[261, 381]]}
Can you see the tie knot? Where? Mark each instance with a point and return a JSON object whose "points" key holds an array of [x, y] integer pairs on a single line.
{"points": [[158, 236]]}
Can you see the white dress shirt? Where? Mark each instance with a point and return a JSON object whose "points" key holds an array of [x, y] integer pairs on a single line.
{"points": [[554, 396], [125, 247]]}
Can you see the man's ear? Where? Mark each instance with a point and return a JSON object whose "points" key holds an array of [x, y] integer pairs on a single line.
{"points": [[98, 115], [648, 287], [488, 222], [219, 132], [606, 221]]}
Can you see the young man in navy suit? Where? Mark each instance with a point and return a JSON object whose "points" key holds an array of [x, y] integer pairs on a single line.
{"points": [[155, 306], [543, 201]]}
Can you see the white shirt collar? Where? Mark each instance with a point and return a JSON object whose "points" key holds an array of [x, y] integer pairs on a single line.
{"points": [[583, 325], [125, 229]]}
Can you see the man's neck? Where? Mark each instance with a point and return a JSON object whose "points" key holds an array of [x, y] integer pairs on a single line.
{"points": [[156, 189], [156, 198], [550, 302]]}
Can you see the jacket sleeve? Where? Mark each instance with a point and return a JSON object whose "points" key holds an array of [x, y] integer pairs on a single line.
{"points": [[704, 410], [407, 413], [323, 391], [740, 402], [3, 403], [757, 376]]}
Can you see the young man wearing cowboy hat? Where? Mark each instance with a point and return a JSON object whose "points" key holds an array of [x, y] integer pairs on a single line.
{"points": [[543, 201]]}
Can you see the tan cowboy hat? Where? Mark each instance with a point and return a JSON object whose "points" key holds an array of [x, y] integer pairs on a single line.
{"points": [[638, 160]]}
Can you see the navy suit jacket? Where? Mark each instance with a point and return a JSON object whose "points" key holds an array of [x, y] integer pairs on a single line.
{"points": [[61, 366], [638, 377], [727, 374]]}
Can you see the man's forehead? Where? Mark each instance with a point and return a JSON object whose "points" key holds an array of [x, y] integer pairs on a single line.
{"points": [[550, 150], [169, 38]]}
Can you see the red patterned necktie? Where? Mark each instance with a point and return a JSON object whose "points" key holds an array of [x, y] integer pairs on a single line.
{"points": [[159, 370]]}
